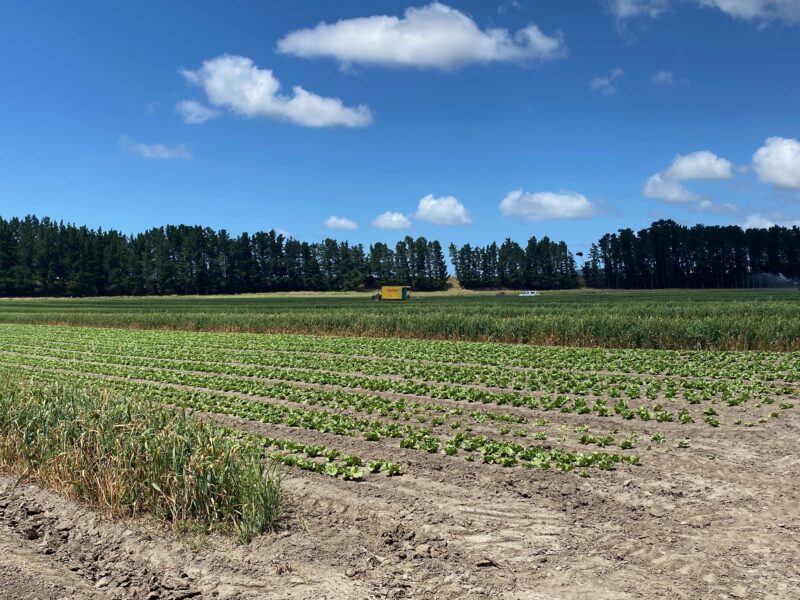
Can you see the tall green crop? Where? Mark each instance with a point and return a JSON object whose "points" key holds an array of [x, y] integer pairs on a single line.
{"points": [[129, 456]]}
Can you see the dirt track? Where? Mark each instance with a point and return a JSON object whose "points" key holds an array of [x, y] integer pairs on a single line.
{"points": [[719, 521]]}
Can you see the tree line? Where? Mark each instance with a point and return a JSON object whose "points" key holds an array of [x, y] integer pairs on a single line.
{"points": [[48, 258], [670, 255], [542, 264]]}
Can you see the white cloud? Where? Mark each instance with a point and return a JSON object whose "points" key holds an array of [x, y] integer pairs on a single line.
{"points": [[156, 151], [629, 9], [703, 165], [195, 113], [778, 162], [764, 11], [446, 210], [392, 220], [606, 85], [699, 165], [546, 205], [761, 10], [334, 222], [236, 83], [759, 221], [709, 206], [433, 36], [664, 189]]}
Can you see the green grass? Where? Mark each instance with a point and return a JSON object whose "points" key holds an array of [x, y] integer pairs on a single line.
{"points": [[670, 319], [130, 456]]}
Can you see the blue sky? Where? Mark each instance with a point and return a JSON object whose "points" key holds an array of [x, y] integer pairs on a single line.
{"points": [[536, 117]]}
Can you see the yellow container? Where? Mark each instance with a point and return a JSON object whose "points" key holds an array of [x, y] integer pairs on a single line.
{"points": [[394, 292]]}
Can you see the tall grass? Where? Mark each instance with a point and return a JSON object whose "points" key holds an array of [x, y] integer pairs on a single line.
{"points": [[673, 319], [129, 456]]}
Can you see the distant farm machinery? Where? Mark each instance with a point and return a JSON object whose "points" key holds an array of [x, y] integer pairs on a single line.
{"points": [[393, 292]]}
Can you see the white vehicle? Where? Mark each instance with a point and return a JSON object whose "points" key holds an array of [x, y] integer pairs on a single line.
{"points": [[529, 294]]}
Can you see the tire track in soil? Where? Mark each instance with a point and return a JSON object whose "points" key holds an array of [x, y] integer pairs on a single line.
{"points": [[78, 553]]}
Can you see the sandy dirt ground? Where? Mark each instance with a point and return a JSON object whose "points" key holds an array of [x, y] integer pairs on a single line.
{"points": [[718, 520]]}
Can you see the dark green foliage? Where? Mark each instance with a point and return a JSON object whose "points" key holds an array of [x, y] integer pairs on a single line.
{"points": [[669, 255], [544, 264], [39, 257], [44, 258]]}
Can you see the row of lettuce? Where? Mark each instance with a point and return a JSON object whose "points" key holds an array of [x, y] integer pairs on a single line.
{"points": [[411, 434], [756, 366], [390, 388]]}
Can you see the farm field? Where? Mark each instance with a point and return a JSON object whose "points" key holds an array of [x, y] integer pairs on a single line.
{"points": [[667, 319], [437, 469]]}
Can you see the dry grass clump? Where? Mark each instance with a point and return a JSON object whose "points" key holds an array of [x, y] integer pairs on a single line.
{"points": [[130, 456]]}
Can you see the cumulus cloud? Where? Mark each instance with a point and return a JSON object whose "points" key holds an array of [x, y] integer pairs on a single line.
{"points": [[236, 83], [334, 222], [777, 162], [541, 206], [433, 36], [660, 188], [704, 165], [392, 220], [759, 221], [699, 165], [194, 113], [606, 85], [446, 210], [155, 151]]}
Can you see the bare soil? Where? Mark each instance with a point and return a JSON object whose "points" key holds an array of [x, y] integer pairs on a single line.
{"points": [[718, 520]]}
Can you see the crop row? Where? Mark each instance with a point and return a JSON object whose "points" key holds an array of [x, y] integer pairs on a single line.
{"points": [[385, 376], [757, 366], [397, 408], [339, 399], [324, 369], [379, 406], [490, 450], [310, 457], [317, 458]]}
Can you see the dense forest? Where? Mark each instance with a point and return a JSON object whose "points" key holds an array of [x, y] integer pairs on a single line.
{"points": [[669, 255], [543, 264], [41, 257]]}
